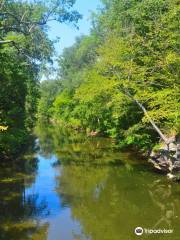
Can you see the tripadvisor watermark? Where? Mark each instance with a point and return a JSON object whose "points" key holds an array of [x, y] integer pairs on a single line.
{"points": [[140, 231]]}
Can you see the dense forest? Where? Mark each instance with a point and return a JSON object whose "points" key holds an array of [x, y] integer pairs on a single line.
{"points": [[25, 50], [88, 134], [123, 79], [120, 81]]}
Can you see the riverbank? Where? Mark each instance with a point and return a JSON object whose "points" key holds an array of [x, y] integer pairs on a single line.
{"points": [[162, 159]]}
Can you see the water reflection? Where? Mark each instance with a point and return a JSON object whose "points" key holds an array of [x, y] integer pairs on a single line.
{"points": [[18, 211], [78, 188], [110, 202], [72, 147], [166, 198]]}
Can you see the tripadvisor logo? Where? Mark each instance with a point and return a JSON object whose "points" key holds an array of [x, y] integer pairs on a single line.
{"points": [[139, 231]]}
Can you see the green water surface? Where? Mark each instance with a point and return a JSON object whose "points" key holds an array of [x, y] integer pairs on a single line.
{"points": [[77, 188]]}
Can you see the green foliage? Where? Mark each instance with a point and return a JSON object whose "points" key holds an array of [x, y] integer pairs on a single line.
{"points": [[75, 60], [49, 89], [130, 57], [63, 105], [24, 50]]}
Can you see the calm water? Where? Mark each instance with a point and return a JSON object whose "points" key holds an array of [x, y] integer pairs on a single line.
{"points": [[78, 188]]}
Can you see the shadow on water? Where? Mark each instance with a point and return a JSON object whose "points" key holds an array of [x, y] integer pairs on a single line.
{"points": [[19, 212], [79, 188]]}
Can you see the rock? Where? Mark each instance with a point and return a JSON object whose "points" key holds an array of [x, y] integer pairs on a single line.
{"points": [[177, 155], [152, 154], [167, 159], [177, 165], [160, 163], [170, 176], [172, 147], [163, 161]]}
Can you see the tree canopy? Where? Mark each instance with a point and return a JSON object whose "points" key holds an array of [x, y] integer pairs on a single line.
{"points": [[123, 79], [24, 49]]}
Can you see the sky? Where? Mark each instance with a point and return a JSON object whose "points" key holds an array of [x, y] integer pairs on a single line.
{"points": [[68, 33]]}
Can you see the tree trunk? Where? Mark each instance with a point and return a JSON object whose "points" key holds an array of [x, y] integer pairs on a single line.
{"points": [[156, 128], [6, 41], [152, 122]]}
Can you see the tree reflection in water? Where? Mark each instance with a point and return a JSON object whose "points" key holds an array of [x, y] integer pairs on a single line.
{"points": [[109, 202], [162, 196], [69, 146], [20, 214], [100, 193], [109, 192]]}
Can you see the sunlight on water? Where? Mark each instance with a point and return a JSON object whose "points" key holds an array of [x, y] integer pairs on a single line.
{"points": [[54, 197]]}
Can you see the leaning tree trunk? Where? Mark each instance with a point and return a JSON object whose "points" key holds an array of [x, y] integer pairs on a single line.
{"points": [[156, 128], [166, 141], [163, 160]]}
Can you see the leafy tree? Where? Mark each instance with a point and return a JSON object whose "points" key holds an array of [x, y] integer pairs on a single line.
{"points": [[76, 59], [24, 18], [123, 79], [24, 49], [49, 89]]}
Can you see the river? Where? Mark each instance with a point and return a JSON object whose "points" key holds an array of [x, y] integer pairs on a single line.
{"points": [[76, 188]]}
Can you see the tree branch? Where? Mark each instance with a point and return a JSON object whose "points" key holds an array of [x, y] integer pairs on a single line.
{"points": [[156, 128], [6, 41], [148, 117]]}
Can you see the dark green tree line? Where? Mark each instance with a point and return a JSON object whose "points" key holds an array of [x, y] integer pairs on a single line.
{"points": [[24, 49]]}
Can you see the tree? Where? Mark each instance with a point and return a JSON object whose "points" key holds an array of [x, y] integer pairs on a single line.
{"points": [[123, 79], [75, 59], [24, 49], [49, 89], [140, 60], [25, 18]]}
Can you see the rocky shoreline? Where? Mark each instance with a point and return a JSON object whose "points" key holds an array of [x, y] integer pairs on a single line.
{"points": [[167, 159]]}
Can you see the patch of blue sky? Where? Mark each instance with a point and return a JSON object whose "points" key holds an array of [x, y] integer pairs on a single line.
{"points": [[67, 33]]}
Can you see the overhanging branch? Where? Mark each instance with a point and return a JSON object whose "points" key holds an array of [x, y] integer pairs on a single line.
{"points": [[156, 128], [6, 41]]}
